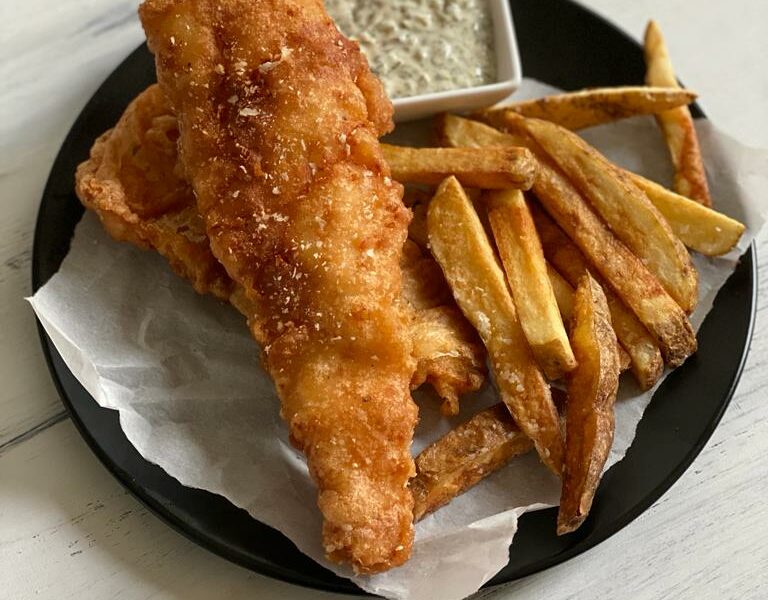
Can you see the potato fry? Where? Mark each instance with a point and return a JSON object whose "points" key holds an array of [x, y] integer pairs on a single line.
{"points": [[676, 124], [458, 132], [624, 207], [589, 107], [468, 454], [621, 269], [589, 419], [464, 456], [698, 227], [463, 251], [564, 295], [499, 168], [567, 259], [523, 261], [563, 292]]}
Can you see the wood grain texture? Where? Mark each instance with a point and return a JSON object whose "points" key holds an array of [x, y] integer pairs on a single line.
{"points": [[67, 529], [51, 62]]}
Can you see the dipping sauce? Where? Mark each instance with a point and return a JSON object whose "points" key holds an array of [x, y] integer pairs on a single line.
{"points": [[421, 46]]}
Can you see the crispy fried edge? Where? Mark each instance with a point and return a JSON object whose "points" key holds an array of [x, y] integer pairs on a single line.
{"points": [[591, 106], [589, 419], [521, 256], [463, 251], [676, 124]]}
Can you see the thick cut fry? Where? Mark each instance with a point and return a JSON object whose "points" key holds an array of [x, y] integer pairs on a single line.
{"points": [[523, 260], [469, 453], [589, 107], [464, 456], [698, 227], [499, 168], [624, 207], [646, 363], [676, 124], [564, 295], [457, 132], [622, 270], [563, 292], [589, 420], [464, 253]]}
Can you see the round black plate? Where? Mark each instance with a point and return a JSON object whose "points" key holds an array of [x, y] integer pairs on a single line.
{"points": [[562, 44]]}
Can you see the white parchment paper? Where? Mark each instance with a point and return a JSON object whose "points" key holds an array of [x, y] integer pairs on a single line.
{"points": [[184, 374]]}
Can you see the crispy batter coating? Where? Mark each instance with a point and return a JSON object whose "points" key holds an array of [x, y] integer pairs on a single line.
{"points": [[450, 355], [132, 183], [126, 182], [279, 118]]}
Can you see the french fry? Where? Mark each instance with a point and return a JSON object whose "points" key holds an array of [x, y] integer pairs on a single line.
{"points": [[564, 295], [595, 106], [698, 227], [464, 456], [463, 251], [499, 168], [458, 132], [676, 124], [523, 261], [563, 292], [621, 269], [624, 207], [589, 419], [567, 259], [467, 454]]}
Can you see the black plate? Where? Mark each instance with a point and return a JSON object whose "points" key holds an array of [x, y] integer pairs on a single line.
{"points": [[562, 44]]}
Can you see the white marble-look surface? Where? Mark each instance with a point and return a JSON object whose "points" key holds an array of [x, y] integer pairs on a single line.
{"points": [[67, 528]]}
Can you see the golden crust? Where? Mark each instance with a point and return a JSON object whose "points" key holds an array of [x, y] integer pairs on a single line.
{"points": [[464, 456], [121, 188], [449, 353], [622, 270], [590, 107], [131, 182], [279, 118], [462, 249], [676, 124], [589, 415]]}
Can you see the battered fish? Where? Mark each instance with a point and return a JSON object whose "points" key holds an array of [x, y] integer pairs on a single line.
{"points": [[132, 182], [279, 118]]}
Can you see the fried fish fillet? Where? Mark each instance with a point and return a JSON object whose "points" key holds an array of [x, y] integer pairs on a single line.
{"points": [[279, 121], [449, 353], [132, 182]]}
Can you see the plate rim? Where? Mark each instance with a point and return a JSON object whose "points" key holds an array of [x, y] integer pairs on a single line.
{"points": [[289, 576]]}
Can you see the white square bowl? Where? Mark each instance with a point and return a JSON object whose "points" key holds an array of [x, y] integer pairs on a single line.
{"points": [[508, 74]]}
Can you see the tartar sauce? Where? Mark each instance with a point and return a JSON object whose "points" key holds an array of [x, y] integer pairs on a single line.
{"points": [[421, 46]]}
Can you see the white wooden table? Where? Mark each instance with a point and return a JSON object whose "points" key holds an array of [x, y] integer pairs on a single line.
{"points": [[67, 528]]}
